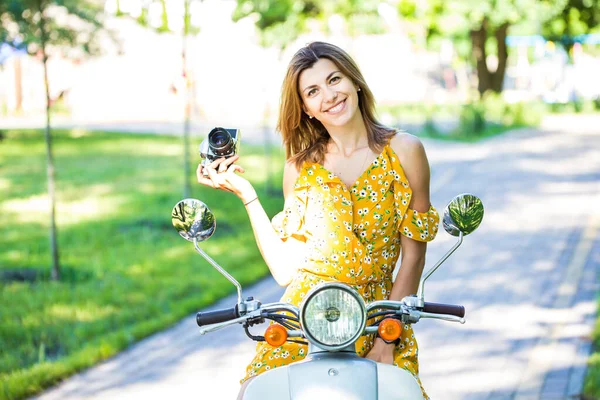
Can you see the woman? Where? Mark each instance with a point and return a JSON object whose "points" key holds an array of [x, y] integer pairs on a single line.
{"points": [[356, 192]]}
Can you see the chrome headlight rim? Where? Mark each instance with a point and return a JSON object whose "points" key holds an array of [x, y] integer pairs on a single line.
{"points": [[328, 286]]}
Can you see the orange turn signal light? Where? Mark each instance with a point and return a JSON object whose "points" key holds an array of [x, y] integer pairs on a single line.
{"points": [[276, 335], [390, 329]]}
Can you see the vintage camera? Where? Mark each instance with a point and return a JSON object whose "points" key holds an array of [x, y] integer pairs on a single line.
{"points": [[220, 143]]}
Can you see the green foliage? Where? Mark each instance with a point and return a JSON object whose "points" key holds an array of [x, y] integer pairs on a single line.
{"points": [[579, 17], [365, 24], [478, 119], [279, 21], [584, 106], [126, 271], [492, 111], [472, 119], [511, 114], [142, 19], [282, 21], [164, 18], [407, 9], [592, 380], [72, 26], [484, 24]]}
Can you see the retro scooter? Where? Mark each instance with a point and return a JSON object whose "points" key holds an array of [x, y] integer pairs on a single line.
{"points": [[330, 319]]}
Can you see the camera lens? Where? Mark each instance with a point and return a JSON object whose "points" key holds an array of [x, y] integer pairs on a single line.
{"points": [[219, 141], [219, 138]]}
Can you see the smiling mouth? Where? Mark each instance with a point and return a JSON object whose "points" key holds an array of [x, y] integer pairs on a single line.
{"points": [[337, 108]]}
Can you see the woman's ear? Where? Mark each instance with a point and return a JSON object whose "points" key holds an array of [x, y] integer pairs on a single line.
{"points": [[306, 112]]}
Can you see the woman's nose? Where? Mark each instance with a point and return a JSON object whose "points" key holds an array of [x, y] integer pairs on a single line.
{"points": [[330, 95]]}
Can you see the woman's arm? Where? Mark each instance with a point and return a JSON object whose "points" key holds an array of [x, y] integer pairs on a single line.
{"points": [[413, 159], [411, 153], [281, 257]]}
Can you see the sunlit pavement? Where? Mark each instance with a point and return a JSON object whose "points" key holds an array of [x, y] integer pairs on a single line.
{"points": [[528, 278]]}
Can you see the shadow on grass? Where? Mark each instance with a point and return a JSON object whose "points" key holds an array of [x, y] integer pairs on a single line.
{"points": [[125, 271]]}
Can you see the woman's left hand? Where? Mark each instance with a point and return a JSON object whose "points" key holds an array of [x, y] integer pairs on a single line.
{"points": [[381, 352]]}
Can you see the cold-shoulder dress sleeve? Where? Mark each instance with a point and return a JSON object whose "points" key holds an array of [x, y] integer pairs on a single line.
{"points": [[290, 221], [420, 226]]}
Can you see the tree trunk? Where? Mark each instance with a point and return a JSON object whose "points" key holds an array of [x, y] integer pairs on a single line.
{"points": [[489, 80], [478, 40], [269, 189], [18, 85], [498, 76], [55, 274], [165, 18]]}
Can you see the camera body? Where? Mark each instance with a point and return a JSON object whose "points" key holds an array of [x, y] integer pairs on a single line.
{"points": [[220, 143]]}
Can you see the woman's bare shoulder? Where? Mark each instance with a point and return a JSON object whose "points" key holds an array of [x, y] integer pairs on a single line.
{"points": [[407, 147], [412, 157]]}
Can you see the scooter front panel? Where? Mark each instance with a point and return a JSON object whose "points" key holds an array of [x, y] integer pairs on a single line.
{"points": [[272, 384], [333, 376], [397, 384]]}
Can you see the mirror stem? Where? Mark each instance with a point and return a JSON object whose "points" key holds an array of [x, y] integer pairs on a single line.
{"points": [[421, 292], [221, 270]]}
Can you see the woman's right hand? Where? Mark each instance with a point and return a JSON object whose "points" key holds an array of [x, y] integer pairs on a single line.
{"points": [[221, 174]]}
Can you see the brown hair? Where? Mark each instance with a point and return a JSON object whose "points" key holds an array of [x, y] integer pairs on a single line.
{"points": [[306, 139]]}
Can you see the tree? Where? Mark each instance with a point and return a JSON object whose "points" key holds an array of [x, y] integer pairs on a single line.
{"points": [[45, 27], [568, 27], [282, 21], [486, 23], [181, 9]]}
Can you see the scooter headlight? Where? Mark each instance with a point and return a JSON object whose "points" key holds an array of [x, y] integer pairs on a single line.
{"points": [[333, 316]]}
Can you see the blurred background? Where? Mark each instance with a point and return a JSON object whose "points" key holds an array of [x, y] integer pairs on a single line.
{"points": [[225, 60], [103, 105]]}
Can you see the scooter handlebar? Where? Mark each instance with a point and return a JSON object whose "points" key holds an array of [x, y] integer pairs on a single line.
{"points": [[437, 308], [214, 317]]}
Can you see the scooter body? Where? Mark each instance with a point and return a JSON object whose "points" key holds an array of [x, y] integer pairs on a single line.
{"points": [[335, 375], [330, 320]]}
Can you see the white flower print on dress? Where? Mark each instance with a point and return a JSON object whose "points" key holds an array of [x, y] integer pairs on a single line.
{"points": [[377, 214]]}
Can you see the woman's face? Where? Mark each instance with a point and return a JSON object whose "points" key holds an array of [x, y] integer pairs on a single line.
{"points": [[327, 94]]}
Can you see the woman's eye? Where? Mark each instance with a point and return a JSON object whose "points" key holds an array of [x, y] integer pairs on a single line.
{"points": [[312, 92], [335, 79]]}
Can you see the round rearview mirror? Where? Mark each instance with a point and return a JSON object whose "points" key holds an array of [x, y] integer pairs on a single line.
{"points": [[193, 220], [463, 214]]}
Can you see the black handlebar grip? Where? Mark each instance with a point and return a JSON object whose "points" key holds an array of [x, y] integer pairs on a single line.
{"points": [[437, 308], [213, 317]]}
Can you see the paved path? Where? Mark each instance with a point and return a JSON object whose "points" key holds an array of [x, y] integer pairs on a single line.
{"points": [[527, 277]]}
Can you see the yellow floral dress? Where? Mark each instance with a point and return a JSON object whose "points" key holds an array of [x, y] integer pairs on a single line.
{"points": [[352, 235]]}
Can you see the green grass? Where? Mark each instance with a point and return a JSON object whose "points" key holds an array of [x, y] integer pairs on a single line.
{"points": [[467, 136], [126, 272], [592, 380], [473, 121]]}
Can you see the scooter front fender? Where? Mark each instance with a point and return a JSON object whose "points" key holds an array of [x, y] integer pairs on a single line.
{"points": [[335, 376]]}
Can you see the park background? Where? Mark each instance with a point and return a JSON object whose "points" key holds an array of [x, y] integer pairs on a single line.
{"points": [[171, 70]]}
